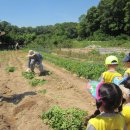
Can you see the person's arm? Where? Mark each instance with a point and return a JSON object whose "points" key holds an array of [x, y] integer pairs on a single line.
{"points": [[31, 56], [90, 127]]}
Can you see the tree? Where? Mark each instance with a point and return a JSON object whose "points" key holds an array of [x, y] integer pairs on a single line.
{"points": [[81, 28], [127, 18], [93, 20]]}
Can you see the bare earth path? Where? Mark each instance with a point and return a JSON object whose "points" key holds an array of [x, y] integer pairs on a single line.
{"points": [[22, 104]]}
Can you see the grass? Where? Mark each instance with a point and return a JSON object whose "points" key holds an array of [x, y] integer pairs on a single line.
{"points": [[94, 55], [110, 43], [10, 69]]}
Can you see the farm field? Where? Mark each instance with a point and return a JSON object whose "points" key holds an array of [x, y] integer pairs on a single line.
{"points": [[76, 45], [23, 104]]}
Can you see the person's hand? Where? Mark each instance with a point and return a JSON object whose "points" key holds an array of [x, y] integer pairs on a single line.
{"points": [[31, 55], [28, 70]]}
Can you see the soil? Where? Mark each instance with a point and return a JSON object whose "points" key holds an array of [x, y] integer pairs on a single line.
{"points": [[22, 104]]}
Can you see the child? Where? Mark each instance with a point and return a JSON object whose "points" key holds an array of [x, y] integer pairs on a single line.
{"points": [[109, 98], [126, 108], [108, 76], [126, 60]]}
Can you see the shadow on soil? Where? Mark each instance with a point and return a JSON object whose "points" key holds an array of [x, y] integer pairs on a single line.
{"points": [[45, 72], [16, 98]]}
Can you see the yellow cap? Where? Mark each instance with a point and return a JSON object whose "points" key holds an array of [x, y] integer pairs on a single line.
{"points": [[111, 60]]}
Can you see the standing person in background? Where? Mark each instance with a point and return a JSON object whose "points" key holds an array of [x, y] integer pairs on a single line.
{"points": [[35, 59], [17, 46], [109, 99], [111, 63]]}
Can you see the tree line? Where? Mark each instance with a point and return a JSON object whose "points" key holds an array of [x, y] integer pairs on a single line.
{"points": [[110, 19]]}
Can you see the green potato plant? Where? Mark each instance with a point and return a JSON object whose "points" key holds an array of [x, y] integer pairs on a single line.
{"points": [[28, 75], [34, 82], [64, 119]]}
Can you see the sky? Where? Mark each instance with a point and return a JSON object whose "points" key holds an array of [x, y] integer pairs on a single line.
{"points": [[43, 12]]}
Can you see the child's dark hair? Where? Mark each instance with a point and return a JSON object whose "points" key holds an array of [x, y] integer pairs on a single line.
{"points": [[111, 98]]}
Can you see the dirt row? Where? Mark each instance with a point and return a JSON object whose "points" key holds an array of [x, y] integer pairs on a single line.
{"points": [[23, 105]]}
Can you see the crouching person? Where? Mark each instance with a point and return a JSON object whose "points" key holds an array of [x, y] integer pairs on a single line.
{"points": [[35, 60]]}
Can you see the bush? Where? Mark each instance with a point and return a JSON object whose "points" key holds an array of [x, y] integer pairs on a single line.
{"points": [[99, 36], [122, 37], [61, 119]]}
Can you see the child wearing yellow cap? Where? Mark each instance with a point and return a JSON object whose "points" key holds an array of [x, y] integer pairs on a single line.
{"points": [[111, 63]]}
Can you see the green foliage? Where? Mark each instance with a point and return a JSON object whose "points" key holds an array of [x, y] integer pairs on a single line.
{"points": [[28, 75], [87, 70], [10, 69], [35, 82], [127, 18], [91, 69], [99, 36], [118, 41], [109, 21], [122, 37], [60, 119], [59, 35], [112, 17]]}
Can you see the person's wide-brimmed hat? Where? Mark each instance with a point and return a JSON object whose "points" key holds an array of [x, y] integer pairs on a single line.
{"points": [[31, 52]]}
